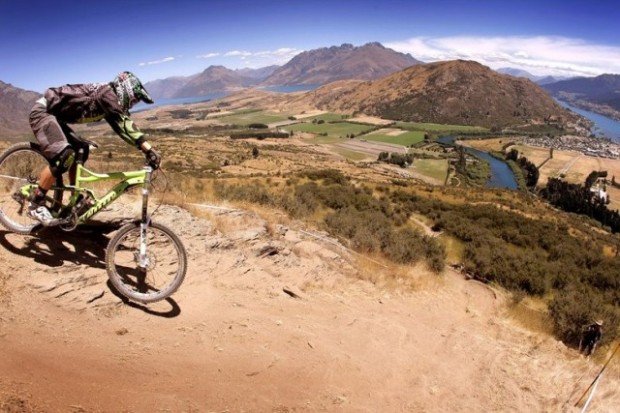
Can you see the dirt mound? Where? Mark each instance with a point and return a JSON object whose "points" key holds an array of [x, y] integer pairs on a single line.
{"points": [[232, 339]]}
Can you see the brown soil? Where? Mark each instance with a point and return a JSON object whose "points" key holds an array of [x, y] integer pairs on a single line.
{"points": [[232, 340]]}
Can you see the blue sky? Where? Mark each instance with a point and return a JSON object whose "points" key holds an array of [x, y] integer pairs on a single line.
{"points": [[47, 43]]}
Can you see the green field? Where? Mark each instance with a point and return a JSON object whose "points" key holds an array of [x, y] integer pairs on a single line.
{"points": [[349, 154], [436, 127], [245, 118], [434, 168], [333, 130], [327, 117], [405, 139]]}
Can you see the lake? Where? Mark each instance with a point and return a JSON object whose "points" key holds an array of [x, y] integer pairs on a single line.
{"points": [[178, 101], [604, 126], [216, 95], [501, 174]]}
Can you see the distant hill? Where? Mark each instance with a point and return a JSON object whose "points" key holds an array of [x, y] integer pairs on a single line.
{"points": [[212, 79], [328, 64], [15, 105], [319, 66], [166, 88], [456, 92], [259, 74], [600, 94], [541, 80]]}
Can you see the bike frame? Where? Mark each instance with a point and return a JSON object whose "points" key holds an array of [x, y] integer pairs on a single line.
{"points": [[128, 180]]}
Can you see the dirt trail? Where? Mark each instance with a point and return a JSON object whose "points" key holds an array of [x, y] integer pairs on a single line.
{"points": [[231, 340]]}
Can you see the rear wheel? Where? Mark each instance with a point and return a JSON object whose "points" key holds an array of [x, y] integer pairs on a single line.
{"points": [[20, 164], [154, 279]]}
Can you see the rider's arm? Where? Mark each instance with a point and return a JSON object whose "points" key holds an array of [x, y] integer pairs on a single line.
{"points": [[118, 118], [125, 128]]}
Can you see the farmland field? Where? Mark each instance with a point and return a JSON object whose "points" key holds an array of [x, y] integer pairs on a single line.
{"points": [[436, 127], [351, 155], [246, 118], [340, 129], [434, 168], [406, 138], [327, 117]]}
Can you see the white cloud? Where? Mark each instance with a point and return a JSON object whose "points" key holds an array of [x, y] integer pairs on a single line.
{"points": [[264, 57], [207, 55], [285, 52], [539, 55], [156, 62], [238, 53]]}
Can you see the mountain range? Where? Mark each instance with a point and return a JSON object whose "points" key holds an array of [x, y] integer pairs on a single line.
{"points": [[541, 80], [454, 92], [313, 67], [600, 94], [328, 64], [379, 81], [212, 79], [15, 105]]}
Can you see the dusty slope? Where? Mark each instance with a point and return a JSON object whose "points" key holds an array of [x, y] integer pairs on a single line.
{"points": [[231, 340]]}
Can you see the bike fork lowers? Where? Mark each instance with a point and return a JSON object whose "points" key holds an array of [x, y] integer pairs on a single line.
{"points": [[145, 220]]}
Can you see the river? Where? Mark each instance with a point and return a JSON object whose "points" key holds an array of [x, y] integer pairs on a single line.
{"points": [[604, 126], [501, 174]]}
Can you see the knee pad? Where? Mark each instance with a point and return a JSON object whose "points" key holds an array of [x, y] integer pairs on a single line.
{"points": [[61, 163]]}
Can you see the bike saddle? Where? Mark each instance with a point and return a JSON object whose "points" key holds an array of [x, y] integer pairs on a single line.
{"points": [[76, 137]]}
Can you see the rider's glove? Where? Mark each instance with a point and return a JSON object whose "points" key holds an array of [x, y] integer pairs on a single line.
{"points": [[153, 158]]}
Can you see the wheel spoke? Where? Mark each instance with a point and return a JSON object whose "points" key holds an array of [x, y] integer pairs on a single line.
{"points": [[19, 165], [165, 263]]}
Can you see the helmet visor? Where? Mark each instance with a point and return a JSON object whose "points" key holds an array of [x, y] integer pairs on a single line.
{"points": [[143, 95]]}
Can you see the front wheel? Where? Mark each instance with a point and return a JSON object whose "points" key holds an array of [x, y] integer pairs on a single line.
{"points": [[152, 274]]}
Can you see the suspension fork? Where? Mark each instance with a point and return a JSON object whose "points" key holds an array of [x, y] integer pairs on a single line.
{"points": [[145, 219]]}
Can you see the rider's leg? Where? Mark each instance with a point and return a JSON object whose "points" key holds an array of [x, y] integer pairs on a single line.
{"points": [[72, 173], [77, 145], [56, 150], [46, 180]]}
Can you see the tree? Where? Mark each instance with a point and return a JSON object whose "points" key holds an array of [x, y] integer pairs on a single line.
{"points": [[513, 155], [255, 152]]}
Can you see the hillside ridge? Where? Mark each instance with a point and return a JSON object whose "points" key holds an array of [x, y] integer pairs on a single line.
{"points": [[455, 92]]}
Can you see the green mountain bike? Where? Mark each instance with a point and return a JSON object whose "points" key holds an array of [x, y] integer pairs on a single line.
{"points": [[145, 261]]}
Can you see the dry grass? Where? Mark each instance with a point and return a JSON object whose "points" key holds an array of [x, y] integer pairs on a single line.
{"points": [[387, 275], [454, 249], [532, 314]]}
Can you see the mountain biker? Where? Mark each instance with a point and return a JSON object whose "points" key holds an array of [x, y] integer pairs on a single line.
{"points": [[592, 334], [82, 103]]}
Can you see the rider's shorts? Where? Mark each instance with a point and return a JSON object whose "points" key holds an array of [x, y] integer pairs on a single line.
{"points": [[47, 130]]}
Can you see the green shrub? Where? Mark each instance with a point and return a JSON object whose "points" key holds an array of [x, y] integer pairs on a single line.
{"points": [[578, 306], [257, 126], [328, 176]]}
